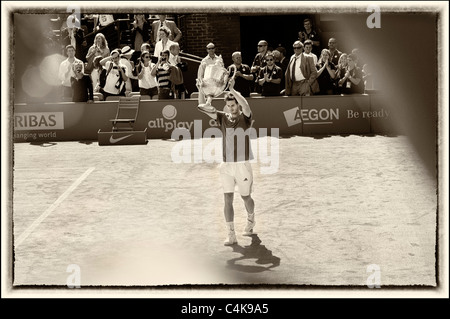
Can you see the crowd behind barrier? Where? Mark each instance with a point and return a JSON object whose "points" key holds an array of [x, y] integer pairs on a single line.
{"points": [[138, 66]]}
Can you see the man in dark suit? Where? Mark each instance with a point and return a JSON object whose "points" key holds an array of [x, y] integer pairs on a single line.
{"points": [[301, 73], [282, 61], [175, 33]]}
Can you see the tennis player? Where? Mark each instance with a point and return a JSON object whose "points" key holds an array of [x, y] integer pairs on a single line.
{"points": [[235, 168]]}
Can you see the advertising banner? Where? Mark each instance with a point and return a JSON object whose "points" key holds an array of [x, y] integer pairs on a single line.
{"points": [[382, 115], [335, 115], [358, 114], [61, 121]]}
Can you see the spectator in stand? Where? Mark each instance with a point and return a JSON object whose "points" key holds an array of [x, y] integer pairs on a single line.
{"points": [[270, 77], [341, 69], [335, 53], [95, 74], [368, 78], [162, 71], [359, 59], [243, 77], [282, 60], [210, 59], [164, 43], [147, 81], [308, 50], [116, 76], [326, 73], [308, 33], [125, 59], [99, 48], [175, 59], [146, 47], [174, 34], [81, 84], [283, 64], [259, 62], [140, 31], [276, 57], [66, 71], [88, 21], [75, 35], [301, 73], [352, 82]]}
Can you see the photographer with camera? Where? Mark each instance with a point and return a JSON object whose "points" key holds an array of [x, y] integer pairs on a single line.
{"points": [[99, 48], [162, 71], [114, 76]]}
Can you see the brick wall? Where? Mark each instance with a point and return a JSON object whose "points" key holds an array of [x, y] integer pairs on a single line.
{"points": [[221, 29]]}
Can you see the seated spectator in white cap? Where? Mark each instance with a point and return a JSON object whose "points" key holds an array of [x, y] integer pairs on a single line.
{"points": [[81, 84]]}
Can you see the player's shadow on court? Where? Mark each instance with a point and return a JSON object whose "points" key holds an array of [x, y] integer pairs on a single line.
{"points": [[43, 144], [265, 260]]}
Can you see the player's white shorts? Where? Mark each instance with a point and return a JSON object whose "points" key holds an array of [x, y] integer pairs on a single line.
{"points": [[237, 173]]}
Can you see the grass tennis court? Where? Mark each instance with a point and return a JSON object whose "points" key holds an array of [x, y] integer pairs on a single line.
{"points": [[130, 216]]}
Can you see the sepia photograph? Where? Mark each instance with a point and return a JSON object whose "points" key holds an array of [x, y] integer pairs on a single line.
{"points": [[287, 149]]}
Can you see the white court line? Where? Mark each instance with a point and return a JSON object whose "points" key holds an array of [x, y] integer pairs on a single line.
{"points": [[47, 212]]}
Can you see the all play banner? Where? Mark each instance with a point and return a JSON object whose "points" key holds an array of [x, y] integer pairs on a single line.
{"points": [[69, 121]]}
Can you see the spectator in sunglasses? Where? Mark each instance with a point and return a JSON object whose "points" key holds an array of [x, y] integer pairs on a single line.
{"points": [[301, 73], [259, 62], [270, 77]]}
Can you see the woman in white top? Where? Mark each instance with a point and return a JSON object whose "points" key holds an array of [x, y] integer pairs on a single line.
{"points": [[163, 44], [95, 74], [147, 82], [99, 48]]}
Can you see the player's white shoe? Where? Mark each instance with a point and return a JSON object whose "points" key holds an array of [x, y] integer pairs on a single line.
{"points": [[231, 239], [248, 231]]}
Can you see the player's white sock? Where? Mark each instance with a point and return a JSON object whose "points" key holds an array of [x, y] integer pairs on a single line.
{"points": [[230, 227], [248, 231]]}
